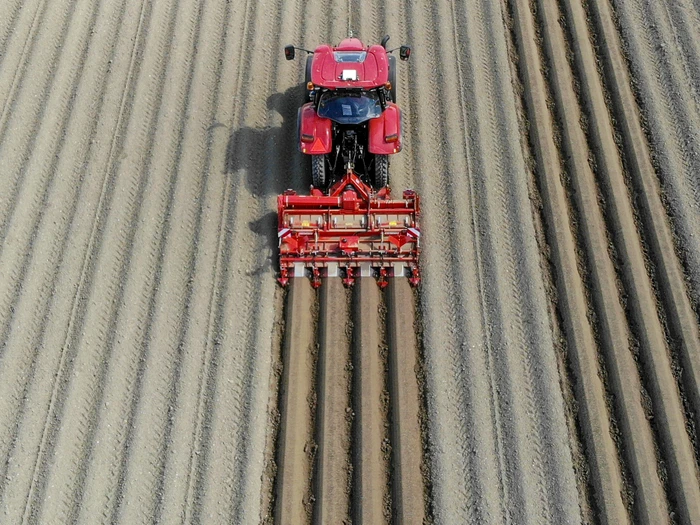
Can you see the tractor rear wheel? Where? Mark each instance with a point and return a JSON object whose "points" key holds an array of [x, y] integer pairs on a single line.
{"points": [[318, 170], [381, 171]]}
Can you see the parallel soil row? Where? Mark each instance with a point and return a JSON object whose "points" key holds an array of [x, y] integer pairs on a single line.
{"points": [[152, 370], [350, 424], [623, 301]]}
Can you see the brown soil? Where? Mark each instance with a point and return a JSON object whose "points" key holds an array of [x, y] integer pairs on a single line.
{"points": [[142, 147]]}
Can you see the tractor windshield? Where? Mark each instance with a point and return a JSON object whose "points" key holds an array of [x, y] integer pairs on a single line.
{"points": [[349, 108], [350, 56]]}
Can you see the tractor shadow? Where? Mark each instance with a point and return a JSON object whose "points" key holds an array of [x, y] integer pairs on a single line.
{"points": [[268, 162], [269, 156]]}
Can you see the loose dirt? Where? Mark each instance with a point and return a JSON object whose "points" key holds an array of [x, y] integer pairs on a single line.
{"points": [[142, 147]]}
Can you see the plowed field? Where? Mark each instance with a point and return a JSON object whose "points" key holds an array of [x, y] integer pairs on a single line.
{"points": [[547, 369]]}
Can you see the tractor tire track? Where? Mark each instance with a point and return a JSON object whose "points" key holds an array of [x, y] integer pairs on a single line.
{"points": [[52, 230], [245, 338], [9, 16], [41, 66], [172, 272], [95, 341], [452, 408]]}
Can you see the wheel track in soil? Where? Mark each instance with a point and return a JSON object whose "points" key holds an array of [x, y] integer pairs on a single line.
{"points": [[19, 55], [32, 196], [15, 149], [51, 229], [93, 339], [508, 213], [450, 438], [41, 67], [53, 372], [244, 288], [9, 16], [179, 211]]}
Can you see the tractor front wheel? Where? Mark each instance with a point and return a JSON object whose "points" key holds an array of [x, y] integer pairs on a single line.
{"points": [[318, 171]]}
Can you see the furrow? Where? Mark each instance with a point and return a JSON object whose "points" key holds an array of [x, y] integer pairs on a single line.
{"points": [[94, 343], [582, 351], [25, 105], [295, 445], [409, 495], [650, 505], [539, 478], [671, 125], [10, 14], [680, 315], [656, 364], [370, 474], [41, 174], [466, 475], [173, 202], [32, 308], [333, 473]]}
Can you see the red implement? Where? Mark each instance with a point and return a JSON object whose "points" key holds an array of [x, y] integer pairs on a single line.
{"points": [[353, 231]]}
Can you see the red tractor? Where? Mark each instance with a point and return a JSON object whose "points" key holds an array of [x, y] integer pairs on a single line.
{"points": [[351, 119], [349, 225]]}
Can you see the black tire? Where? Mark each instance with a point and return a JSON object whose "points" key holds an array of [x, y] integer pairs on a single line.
{"points": [[307, 79], [318, 171], [392, 77], [307, 75], [381, 171]]}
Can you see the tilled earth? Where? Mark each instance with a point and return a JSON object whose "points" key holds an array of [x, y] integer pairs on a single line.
{"points": [[547, 370]]}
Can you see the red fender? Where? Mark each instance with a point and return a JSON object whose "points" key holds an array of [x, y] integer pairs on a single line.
{"points": [[314, 132], [385, 131]]}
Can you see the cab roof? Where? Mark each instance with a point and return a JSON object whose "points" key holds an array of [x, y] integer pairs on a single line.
{"points": [[350, 65]]}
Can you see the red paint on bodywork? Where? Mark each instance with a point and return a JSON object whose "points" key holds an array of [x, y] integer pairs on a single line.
{"points": [[387, 125], [372, 73], [314, 126]]}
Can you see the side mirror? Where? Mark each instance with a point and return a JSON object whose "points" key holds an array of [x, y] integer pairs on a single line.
{"points": [[289, 52], [404, 52], [384, 41]]}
